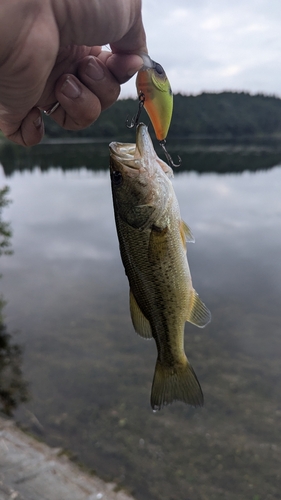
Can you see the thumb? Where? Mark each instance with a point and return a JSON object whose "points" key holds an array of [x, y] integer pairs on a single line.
{"points": [[124, 66]]}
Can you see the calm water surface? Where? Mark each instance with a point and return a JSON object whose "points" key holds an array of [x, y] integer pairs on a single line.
{"points": [[90, 375]]}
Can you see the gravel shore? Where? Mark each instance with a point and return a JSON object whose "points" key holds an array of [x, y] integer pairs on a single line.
{"points": [[30, 470]]}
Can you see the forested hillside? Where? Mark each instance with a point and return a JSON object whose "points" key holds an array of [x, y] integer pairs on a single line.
{"points": [[228, 114]]}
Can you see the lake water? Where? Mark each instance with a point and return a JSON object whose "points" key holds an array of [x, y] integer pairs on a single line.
{"points": [[89, 375]]}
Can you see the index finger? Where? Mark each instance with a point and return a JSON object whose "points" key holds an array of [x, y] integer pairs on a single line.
{"points": [[126, 53], [134, 41]]}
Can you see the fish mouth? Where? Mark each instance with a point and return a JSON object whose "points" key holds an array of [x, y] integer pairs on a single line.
{"points": [[122, 151], [129, 154]]}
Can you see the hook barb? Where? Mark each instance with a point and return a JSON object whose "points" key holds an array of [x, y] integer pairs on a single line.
{"points": [[135, 119], [168, 156]]}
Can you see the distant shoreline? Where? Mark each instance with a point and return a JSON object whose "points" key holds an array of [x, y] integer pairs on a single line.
{"points": [[207, 116]]}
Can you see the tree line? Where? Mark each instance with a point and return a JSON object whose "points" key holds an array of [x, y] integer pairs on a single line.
{"points": [[225, 114]]}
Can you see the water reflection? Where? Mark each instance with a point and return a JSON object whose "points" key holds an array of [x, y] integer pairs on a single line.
{"points": [[197, 155], [13, 389], [45, 156], [91, 375]]}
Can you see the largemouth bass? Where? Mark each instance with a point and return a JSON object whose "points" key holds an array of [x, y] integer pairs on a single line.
{"points": [[152, 239]]}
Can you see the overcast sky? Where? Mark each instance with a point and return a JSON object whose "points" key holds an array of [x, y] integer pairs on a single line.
{"points": [[215, 45]]}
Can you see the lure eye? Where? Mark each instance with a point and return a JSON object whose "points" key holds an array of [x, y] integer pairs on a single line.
{"points": [[158, 68], [117, 178]]}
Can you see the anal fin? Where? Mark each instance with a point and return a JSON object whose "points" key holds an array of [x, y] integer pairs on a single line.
{"points": [[140, 323]]}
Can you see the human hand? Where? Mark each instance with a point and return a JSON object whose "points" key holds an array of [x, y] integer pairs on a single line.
{"points": [[51, 51]]}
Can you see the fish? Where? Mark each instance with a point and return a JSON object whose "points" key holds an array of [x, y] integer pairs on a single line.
{"points": [[152, 82], [152, 240]]}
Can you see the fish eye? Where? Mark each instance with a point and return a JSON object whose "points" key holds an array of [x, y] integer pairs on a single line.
{"points": [[158, 68], [117, 178]]}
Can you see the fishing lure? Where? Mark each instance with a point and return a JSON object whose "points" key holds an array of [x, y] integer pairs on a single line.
{"points": [[155, 95]]}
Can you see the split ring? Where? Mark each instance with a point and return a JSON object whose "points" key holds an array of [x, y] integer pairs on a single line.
{"points": [[50, 111]]}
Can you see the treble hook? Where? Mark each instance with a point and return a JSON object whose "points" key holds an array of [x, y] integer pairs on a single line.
{"points": [[135, 119], [168, 156], [134, 122]]}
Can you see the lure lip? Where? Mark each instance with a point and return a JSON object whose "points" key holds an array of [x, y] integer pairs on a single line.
{"points": [[148, 63]]}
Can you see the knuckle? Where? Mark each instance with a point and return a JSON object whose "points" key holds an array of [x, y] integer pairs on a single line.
{"points": [[110, 97], [81, 121]]}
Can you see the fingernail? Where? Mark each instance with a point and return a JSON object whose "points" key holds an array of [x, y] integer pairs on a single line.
{"points": [[38, 122], [70, 88], [94, 70]]}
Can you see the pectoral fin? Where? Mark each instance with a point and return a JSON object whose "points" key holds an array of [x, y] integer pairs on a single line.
{"points": [[158, 246], [198, 314], [186, 234], [140, 323]]}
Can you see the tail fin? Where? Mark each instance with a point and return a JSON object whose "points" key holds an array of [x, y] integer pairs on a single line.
{"points": [[175, 384]]}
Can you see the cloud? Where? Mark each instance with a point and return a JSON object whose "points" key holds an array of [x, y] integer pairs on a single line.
{"points": [[213, 45]]}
